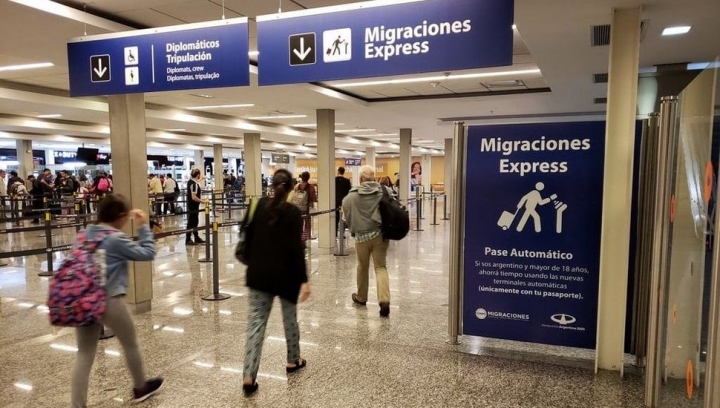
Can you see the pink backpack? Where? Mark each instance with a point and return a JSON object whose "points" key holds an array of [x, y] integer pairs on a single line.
{"points": [[104, 185], [77, 289]]}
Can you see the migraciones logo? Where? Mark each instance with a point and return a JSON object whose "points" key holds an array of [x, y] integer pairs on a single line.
{"points": [[563, 319], [483, 314]]}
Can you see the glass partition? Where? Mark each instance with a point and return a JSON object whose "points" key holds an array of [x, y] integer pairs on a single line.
{"points": [[687, 271]]}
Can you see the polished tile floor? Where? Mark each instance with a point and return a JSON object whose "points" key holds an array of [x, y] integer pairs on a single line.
{"points": [[355, 358]]}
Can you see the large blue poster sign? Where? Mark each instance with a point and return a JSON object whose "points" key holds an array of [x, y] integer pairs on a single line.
{"points": [[192, 56], [382, 38], [533, 212]]}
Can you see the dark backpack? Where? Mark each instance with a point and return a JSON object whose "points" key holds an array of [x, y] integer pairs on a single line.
{"points": [[395, 218]]}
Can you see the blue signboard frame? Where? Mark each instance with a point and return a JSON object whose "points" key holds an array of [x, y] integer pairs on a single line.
{"points": [[192, 56], [384, 38], [533, 211]]}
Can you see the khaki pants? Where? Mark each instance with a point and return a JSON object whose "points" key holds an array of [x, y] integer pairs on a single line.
{"points": [[378, 248]]}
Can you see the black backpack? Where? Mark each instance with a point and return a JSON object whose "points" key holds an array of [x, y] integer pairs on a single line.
{"points": [[395, 218]]}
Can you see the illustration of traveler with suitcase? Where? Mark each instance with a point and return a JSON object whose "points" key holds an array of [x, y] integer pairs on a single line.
{"points": [[530, 202]]}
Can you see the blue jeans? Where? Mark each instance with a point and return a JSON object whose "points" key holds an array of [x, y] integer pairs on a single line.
{"points": [[258, 314]]}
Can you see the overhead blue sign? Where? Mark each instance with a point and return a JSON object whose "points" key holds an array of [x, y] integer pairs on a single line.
{"points": [[192, 56], [532, 232], [382, 38]]}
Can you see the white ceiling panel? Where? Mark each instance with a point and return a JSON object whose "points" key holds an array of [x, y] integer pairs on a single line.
{"points": [[151, 18], [195, 11], [253, 8]]}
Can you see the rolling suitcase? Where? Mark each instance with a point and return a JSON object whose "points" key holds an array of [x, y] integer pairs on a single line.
{"points": [[506, 219]]}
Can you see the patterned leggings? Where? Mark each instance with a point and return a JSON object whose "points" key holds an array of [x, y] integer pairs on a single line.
{"points": [[258, 314]]}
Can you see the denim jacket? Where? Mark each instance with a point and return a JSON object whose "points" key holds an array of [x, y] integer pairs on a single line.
{"points": [[117, 249]]}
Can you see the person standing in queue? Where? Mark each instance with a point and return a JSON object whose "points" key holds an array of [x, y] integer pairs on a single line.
{"points": [[194, 191], [170, 190], [362, 212], [342, 189], [305, 198], [276, 267], [114, 252]]}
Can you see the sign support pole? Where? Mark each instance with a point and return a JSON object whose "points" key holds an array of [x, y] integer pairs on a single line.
{"points": [[456, 228]]}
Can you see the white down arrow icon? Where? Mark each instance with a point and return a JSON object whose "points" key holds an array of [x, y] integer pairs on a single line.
{"points": [[100, 70], [303, 52]]}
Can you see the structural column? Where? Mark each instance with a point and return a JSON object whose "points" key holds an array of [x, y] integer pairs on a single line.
{"points": [[448, 169], [617, 196], [200, 160], [405, 158], [129, 167], [218, 166], [253, 165], [326, 177], [25, 158], [370, 157]]}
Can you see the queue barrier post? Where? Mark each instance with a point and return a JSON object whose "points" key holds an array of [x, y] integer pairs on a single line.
{"points": [[208, 258], [445, 213], [216, 295], [418, 213], [434, 210], [48, 246], [77, 217]]}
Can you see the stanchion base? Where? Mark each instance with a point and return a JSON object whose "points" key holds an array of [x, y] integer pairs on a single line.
{"points": [[341, 254], [453, 343], [45, 274], [205, 260], [3, 264], [434, 223], [106, 334], [445, 219], [215, 297], [418, 230]]}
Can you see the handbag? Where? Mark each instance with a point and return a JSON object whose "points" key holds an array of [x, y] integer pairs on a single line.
{"points": [[241, 250]]}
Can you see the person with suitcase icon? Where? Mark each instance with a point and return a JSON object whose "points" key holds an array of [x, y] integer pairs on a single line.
{"points": [[530, 203]]}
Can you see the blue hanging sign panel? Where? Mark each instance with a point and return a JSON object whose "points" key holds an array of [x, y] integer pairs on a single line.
{"points": [[192, 56], [382, 38], [533, 210]]}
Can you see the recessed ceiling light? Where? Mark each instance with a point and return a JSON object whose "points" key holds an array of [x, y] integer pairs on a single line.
{"points": [[26, 66], [174, 130], [49, 116], [676, 30], [277, 117], [514, 26], [439, 78], [238, 105]]}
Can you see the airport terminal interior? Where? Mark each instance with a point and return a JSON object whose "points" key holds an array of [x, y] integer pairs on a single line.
{"points": [[555, 164]]}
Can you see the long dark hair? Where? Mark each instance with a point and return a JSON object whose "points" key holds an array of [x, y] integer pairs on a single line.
{"points": [[281, 185]]}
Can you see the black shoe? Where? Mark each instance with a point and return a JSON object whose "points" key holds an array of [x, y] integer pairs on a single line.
{"points": [[151, 388], [249, 390], [189, 242], [384, 309], [199, 241], [299, 365], [358, 301]]}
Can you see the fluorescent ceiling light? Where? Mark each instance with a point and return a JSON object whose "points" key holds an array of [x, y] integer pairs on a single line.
{"points": [[199, 95], [238, 105], [49, 116], [23, 386], [314, 124], [26, 66], [676, 30], [356, 130], [175, 130], [382, 135], [439, 78], [277, 117]]}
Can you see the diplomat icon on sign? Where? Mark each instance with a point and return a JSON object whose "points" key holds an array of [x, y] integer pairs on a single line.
{"points": [[337, 45]]}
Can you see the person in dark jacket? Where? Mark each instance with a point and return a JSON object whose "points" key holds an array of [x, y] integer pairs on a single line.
{"points": [[36, 191], [342, 189], [276, 267]]}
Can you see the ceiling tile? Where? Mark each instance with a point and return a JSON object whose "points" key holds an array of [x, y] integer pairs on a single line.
{"points": [[150, 18], [195, 11]]}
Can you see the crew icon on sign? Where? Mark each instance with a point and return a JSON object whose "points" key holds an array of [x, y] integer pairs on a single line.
{"points": [[337, 45], [528, 205]]}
